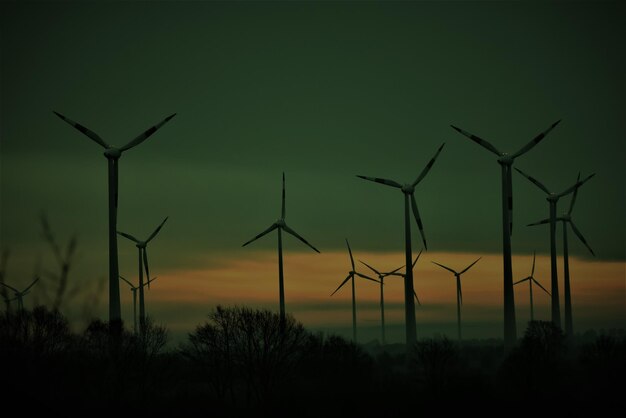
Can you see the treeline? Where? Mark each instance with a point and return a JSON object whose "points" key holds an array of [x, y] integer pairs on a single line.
{"points": [[240, 362]]}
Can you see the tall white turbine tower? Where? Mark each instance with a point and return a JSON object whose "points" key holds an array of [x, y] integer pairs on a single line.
{"points": [[408, 190], [459, 292], [281, 226], [113, 155], [506, 162], [553, 198], [143, 259], [351, 275]]}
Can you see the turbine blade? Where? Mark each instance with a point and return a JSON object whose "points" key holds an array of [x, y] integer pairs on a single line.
{"points": [[522, 281], [418, 219], [571, 205], [470, 266], [145, 264], [30, 285], [149, 281], [129, 283], [295, 234], [575, 186], [350, 251], [478, 140], [534, 181], [447, 268], [580, 237], [428, 166], [342, 283], [416, 298], [268, 230], [370, 267], [543, 221], [535, 140], [543, 288], [366, 277], [128, 236], [10, 287], [156, 231], [146, 134], [283, 208], [91, 134], [532, 272], [382, 181], [460, 292], [417, 258], [392, 272]]}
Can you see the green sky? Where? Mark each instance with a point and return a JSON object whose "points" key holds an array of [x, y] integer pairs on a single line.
{"points": [[322, 91]]}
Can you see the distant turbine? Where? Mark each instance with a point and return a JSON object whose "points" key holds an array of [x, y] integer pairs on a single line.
{"points": [[506, 162], [530, 280], [19, 296], [459, 292], [566, 218], [134, 290], [281, 225], [553, 198], [409, 192], [143, 256], [112, 155], [381, 278], [351, 275]]}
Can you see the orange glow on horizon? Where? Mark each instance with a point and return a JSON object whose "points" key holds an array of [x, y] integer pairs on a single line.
{"points": [[597, 288]]}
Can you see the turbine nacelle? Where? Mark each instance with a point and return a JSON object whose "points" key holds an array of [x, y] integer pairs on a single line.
{"points": [[552, 197], [113, 153], [280, 223], [506, 159], [566, 217], [141, 244], [408, 189]]}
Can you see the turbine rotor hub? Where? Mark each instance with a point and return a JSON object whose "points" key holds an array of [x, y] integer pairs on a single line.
{"points": [[505, 159], [280, 222], [552, 198], [113, 153], [141, 244], [408, 189]]}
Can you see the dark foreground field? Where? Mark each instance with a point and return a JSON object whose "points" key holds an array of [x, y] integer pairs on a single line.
{"points": [[239, 364]]}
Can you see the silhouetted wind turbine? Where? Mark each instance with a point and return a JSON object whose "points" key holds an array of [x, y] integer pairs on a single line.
{"points": [[19, 296], [553, 198], [459, 292], [381, 278], [134, 290], [409, 194], [351, 275], [281, 226], [530, 280], [113, 155], [566, 218], [506, 162], [143, 257]]}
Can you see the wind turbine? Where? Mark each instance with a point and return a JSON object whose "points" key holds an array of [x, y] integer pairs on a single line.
{"points": [[459, 292], [143, 256], [409, 194], [566, 218], [351, 275], [381, 278], [113, 155], [530, 280], [281, 226], [553, 198], [506, 162], [19, 296], [134, 290]]}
